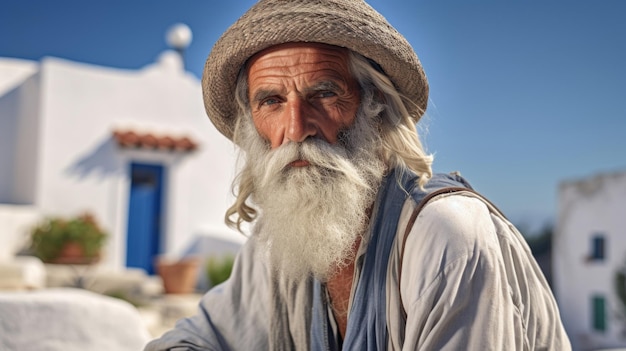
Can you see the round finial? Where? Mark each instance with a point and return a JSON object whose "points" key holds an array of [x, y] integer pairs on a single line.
{"points": [[179, 36]]}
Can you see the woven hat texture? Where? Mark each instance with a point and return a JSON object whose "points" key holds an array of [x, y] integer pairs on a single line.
{"points": [[346, 23]]}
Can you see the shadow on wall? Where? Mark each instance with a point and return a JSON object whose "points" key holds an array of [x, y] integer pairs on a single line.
{"points": [[101, 161], [109, 158]]}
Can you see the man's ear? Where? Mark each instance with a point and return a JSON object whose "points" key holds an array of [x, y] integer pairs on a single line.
{"points": [[380, 97]]}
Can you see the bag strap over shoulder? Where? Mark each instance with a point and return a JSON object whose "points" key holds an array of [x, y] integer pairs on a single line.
{"points": [[416, 212]]}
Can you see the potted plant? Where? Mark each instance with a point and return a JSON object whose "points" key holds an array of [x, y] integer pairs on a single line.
{"points": [[77, 240], [218, 269], [179, 276]]}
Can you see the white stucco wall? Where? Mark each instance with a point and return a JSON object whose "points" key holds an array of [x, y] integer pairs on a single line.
{"points": [[28, 144], [14, 71], [15, 224], [8, 144], [81, 168], [19, 106], [587, 208]]}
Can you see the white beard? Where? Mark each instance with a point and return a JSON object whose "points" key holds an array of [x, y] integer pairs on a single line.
{"points": [[312, 216]]}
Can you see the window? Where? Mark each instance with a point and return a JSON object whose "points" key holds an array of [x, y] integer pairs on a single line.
{"points": [[598, 244], [598, 305]]}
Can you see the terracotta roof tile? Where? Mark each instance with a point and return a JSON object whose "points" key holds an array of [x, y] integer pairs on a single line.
{"points": [[135, 140]]}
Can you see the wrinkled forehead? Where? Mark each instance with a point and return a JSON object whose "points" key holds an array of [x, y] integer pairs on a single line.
{"points": [[299, 59], [289, 54]]}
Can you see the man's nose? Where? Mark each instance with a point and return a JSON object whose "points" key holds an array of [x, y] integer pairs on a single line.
{"points": [[300, 122]]}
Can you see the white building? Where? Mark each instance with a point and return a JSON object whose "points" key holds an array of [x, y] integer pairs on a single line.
{"points": [[589, 250], [134, 148]]}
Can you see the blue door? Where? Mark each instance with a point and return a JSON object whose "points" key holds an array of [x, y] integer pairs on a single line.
{"points": [[144, 216]]}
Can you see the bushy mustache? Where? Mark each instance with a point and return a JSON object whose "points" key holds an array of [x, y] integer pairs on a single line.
{"points": [[333, 159]]}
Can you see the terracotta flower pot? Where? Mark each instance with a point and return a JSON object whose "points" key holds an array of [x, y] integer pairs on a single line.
{"points": [[179, 277], [73, 253]]}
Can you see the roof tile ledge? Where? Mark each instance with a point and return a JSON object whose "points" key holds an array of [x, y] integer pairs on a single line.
{"points": [[130, 139]]}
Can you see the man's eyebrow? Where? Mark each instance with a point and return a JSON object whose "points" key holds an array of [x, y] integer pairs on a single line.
{"points": [[325, 85], [263, 94]]}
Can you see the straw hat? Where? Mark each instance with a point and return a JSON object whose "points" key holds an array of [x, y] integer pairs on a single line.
{"points": [[347, 23]]}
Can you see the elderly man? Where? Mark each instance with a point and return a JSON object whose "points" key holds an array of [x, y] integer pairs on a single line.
{"points": [[323, 97]]}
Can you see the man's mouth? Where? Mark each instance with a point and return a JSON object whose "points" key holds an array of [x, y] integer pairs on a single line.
{"points": [[299, 163]]}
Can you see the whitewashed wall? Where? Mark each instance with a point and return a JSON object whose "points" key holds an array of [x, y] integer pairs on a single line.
{"points": [[19, 127], [15, 224], [588, 207]]}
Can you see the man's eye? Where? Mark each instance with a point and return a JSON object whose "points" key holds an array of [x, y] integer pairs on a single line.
{"points": [[269, 101], [325, 94]]}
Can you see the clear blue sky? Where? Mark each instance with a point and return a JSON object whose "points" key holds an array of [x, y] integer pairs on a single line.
{"points": [[523, 95]]}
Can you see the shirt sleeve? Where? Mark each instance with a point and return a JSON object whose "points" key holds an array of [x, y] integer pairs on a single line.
{"points": [[469, 285], [231, 316]]}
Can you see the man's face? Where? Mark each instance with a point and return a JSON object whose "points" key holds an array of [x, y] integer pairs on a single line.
{"points": [[313, 155], [301, 90]]}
